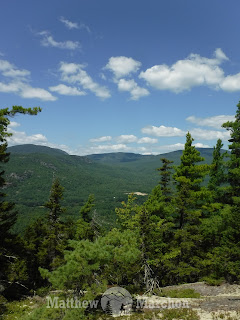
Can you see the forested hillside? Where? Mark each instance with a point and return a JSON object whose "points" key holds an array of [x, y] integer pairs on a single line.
{"points": [[110, 177]]}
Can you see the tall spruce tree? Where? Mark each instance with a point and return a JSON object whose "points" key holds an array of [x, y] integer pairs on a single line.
{"points": [[54, 242], [182, 262], [189, 176], [217, 176]]}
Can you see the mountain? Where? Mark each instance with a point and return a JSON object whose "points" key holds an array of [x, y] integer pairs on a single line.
{"points": [[110, 177], [32, 148]]}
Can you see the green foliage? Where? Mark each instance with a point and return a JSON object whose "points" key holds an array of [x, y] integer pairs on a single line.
{"points": [[113, 258], [217, 176], [11, 268], [30, 170], [165, 172]]}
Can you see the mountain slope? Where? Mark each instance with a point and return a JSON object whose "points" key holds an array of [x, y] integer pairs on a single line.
{"points": [[110, 177]]}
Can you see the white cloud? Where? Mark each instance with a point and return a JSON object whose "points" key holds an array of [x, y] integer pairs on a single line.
{"points": [[231, 83], [163, 131], [69, 24], [186, 74], [74, 25], [109, 148], [70, 68], [201, 145], [5, 65], [169, 148], [66, 90], [101, 139], [20, 137], [19, 85], [131, 86], [9, 87], [9, 70], [201, 134], [122, 66], [127, 138], [28, 92], [74, 73], [214, 122], [13, 124], [147, 140], [48, 41]]}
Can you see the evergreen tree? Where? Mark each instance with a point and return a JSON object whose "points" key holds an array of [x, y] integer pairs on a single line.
{"points": [[54, 242], [182, 261], [9, 244], [36, 251], [230, 245], [165, 172], [86, 228], [189, 176], [217, 176], [234, 162]]}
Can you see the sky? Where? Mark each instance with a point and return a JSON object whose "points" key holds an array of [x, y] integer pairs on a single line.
{"points": [[120, 76]]}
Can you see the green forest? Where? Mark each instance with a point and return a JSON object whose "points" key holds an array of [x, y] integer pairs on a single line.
{"points": [[186, 230]]}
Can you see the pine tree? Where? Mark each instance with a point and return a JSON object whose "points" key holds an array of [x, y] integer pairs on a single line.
{"points": [[9, 243]]}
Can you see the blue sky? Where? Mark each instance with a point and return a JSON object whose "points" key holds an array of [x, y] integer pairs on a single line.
{"points": [[112, 76]]}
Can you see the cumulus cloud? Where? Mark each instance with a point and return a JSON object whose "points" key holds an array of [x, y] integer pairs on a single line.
{"points": [[201, 134], [163, 131], [101, 139], [188, 73], [67, 91], [201, 145], [231, 83], [48, 41], [19, 83], [122, 66], [147, 140], [132, 87], [214, 122], [74, 74], [127, 138], [10, 70], [28, 92], [20, 137]]}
